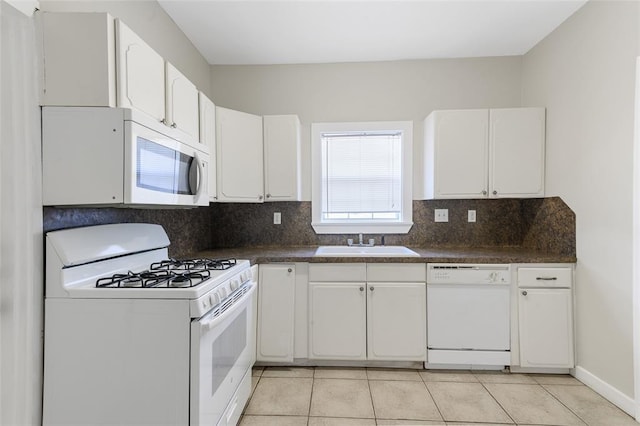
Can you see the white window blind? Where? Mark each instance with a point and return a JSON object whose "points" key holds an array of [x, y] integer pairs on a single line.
{"points": [[362, 176]]}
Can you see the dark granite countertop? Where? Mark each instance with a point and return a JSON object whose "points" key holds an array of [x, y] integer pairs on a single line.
{"points": [[431, 255]]}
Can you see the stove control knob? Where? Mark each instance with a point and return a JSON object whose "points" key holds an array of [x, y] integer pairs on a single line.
{"points": [[234, 285], [222, 293]]}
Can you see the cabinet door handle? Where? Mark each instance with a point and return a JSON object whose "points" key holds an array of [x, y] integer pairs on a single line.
{"points": [[164, 121], [174, 125], [268, 195], [260, 197], [484, 192], [524, 293], [495, 192], [289, 270], [361, 288], [371, 288], [546, 278]]}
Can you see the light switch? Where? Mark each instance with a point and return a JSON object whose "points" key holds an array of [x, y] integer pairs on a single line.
{"points": [[277, 218], [471, 215]]}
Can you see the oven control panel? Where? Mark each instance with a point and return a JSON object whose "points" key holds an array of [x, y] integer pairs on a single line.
{"points": [[219, 294]]}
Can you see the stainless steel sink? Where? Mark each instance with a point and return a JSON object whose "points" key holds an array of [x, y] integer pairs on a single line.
{"points": [[359, 251]]}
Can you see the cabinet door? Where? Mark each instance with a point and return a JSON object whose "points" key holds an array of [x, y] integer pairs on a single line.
{"points": [[276, 300], [460, 150], [141, 82], [81, 70], [281, 157], [396, 321], [255, 275], [546, 328], [337, 326], [182, 103], [239, 158], [517, 146], [207, 124]]}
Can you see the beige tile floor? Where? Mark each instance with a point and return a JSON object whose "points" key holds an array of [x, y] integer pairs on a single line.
{"points": [[324, 396]]}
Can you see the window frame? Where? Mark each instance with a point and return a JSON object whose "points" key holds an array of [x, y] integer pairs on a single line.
{"points": [[370, 227]]}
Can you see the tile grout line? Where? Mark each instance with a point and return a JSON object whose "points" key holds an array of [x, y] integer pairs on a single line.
{"points": [[562, 403], [313, 381], [432, 398], [373, 406], [498, 402]]}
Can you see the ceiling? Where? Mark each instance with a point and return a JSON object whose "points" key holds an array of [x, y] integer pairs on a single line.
{"points": [[325, 31]]}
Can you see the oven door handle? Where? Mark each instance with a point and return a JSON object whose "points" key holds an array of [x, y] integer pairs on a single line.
{"points": [[207, 324]]}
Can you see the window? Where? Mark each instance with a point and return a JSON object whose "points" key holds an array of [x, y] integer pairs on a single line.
{"points": [[361, 177]]}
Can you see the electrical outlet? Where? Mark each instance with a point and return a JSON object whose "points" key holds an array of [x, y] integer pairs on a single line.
{"points": [[442, 215], [471, 215], [277, 218]]}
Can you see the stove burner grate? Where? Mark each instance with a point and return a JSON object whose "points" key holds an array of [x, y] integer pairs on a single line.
{"points": [[169, 273], [194, 264]]}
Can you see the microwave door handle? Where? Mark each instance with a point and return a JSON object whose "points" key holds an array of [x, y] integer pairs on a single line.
{"points": [[195, 177]]}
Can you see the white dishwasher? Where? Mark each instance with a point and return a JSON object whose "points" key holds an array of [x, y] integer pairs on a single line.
{"points": [[468, 320]]}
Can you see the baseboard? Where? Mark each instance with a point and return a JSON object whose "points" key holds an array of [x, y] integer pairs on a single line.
{"points": [[622, 401]]}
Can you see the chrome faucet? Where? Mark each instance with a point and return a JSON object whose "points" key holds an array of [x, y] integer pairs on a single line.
{"points": [[361, 242]]}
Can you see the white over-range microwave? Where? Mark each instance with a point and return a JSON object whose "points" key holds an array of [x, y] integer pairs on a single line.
{"points": [[98, 156]]}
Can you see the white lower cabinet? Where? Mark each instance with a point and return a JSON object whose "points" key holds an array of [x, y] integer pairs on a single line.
{"points": [[366, 316], [276, 309], [545, 317], [396, 321], [338, 325]]}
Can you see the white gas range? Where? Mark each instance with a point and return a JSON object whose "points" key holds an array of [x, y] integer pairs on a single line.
{"points": [[133, 337]]}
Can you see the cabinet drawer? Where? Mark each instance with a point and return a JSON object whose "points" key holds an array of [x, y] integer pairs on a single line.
{"points": [[545, 277], [396, 272], [338, 272]]}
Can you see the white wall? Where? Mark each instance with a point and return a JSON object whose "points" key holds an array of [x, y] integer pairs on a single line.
{"points": [[151, 22], [584, 73], [385, 91], [21, 268]]}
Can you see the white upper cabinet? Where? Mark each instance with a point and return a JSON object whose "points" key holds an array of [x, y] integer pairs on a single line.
{"points": [[207, 135], [79, 70], [239, 156], [484, 153], [182, 103], [516, 144], [141, 74], [281, 157], [456, 154], [111, 66]]}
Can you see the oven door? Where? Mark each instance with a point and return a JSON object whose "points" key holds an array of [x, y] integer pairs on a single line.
{"points": [[160, 170], [222, 349]]}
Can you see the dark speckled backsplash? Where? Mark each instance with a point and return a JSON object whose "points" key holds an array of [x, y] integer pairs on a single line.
{"points": [[546, 224], [189, 230], [543, 224]]}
